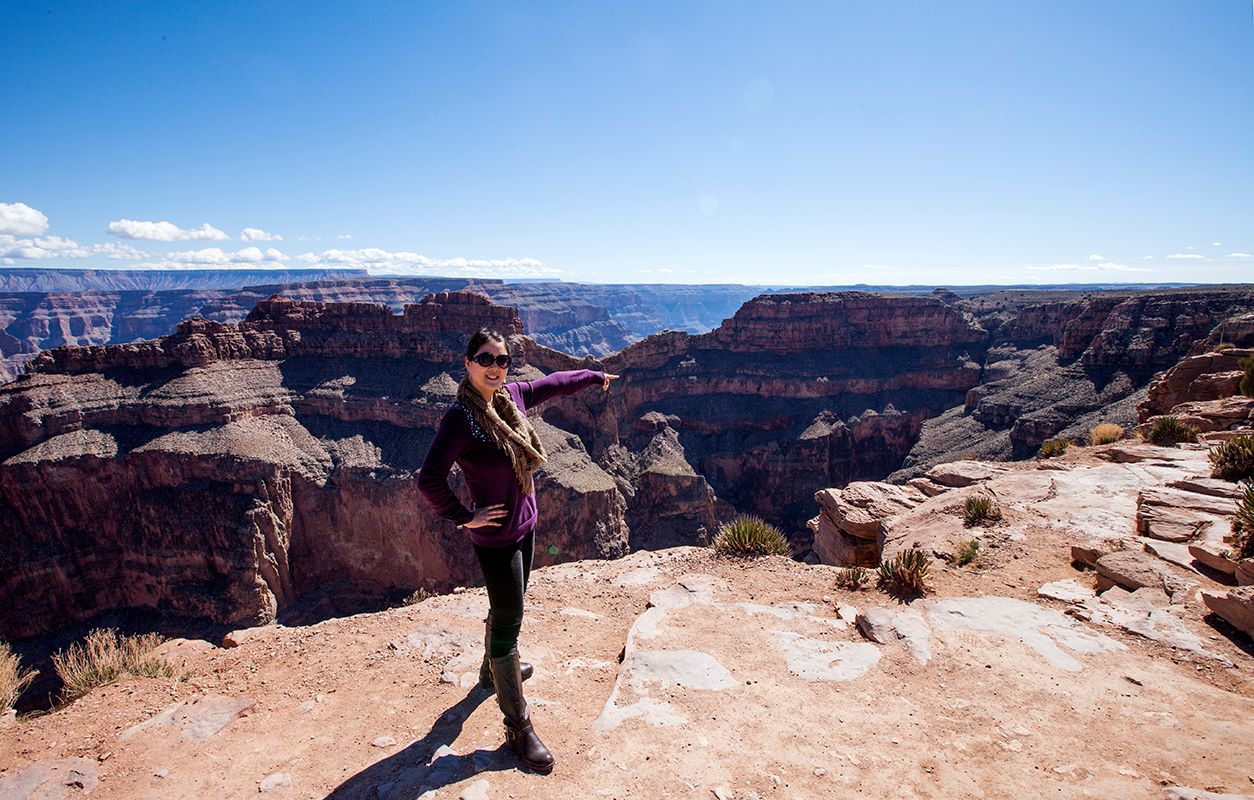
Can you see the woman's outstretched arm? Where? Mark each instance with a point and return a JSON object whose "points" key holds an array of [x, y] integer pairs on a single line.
{"points": [[559, 384]]}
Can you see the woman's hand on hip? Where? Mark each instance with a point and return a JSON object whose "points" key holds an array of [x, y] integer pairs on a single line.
{"points": [[488, 515]]}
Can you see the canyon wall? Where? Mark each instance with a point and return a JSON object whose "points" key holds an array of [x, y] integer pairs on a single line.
{"points": [[229, 471]]}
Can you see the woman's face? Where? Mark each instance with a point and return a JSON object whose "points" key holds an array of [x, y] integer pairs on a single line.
{"points": [[487, 380]]}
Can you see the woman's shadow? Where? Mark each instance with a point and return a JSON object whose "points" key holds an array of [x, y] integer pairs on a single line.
{"points": [[421, 766]]}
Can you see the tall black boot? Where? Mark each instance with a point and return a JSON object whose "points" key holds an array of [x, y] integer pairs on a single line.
{"points": [[485, 670], [507, 676]]}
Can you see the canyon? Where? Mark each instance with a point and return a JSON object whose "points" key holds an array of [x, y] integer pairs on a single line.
{"points": [[262, 469]]}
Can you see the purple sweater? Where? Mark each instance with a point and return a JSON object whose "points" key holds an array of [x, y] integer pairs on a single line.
{"points": [[487, 468]]}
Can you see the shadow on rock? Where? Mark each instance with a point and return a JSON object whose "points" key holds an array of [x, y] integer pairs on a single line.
{"points": [[428, 764]]}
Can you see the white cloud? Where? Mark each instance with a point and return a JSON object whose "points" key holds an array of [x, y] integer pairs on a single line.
{"points": [[48, 247], [1096, 257], [217, 256], [1216, 244], [258, 235], [1103, 267], [1186, 255], [19, 219], [1240, 255], [163, 231], [376, 260], [344, 236], [878, 266]]}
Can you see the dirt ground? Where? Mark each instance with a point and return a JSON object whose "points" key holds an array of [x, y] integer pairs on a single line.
{"points": [[986, 717]]}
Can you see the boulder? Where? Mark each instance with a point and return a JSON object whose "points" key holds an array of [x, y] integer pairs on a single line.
{"points": [[957, 474], [859, 508], [1086, 556], [1180, 498], [1134, 569], [1209, 555], [1212, 486], [1236, 606], [1174, 524], [1245, 572]]}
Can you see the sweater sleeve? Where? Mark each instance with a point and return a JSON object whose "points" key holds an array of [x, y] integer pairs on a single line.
{"points": [[448, 443], [558, 384]]}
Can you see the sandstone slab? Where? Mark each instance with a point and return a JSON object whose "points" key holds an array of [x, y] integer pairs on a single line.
{"points": [[50, 780], [1211, 556], [957, 474], [889, 626], [197, 719], [1046, 631], [1134, 569], [1236, 606]]}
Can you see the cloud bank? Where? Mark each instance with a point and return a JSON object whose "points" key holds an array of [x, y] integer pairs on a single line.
{"points": [[163, 231]]}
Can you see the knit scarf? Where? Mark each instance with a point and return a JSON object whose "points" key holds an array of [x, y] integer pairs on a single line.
{"points": [[509, 428]]}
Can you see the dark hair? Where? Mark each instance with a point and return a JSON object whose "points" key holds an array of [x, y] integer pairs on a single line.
{"points": [[481, 336]]}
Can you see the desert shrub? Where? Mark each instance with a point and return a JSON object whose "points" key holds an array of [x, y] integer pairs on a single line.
{"points": [[1233, 460], [1168, 429], [1247, 382], [1222, 346], [1054, 447], [1243, 523], [13, 678], [105, 656], [968, 551], [980, 509], [416, 596], [906, 573], [749, 535], [1106, 433], [855, 579]]}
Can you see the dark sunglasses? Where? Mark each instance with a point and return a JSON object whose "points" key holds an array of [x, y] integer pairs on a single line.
{"points": [[487, 360]]}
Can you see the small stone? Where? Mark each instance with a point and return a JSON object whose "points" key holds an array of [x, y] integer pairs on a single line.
{"points": [[1128, 772], [276, 781], [9, 717], [722, 792], [1064, 769], [161, 773], [819, 772], [475, 791], [895, 740], [104, 756], [384, 741]]}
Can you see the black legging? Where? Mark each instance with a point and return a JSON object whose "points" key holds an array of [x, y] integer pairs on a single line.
{"points": [[506, 571]]}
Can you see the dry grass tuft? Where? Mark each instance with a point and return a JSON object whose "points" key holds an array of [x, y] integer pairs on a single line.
{"points": [[13, 678], [1106, 433], [103, 657]]}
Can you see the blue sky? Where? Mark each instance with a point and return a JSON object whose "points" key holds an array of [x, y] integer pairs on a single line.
{"points": [[767, 143]]}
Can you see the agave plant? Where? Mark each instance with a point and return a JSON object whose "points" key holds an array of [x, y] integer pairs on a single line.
{"points": [[1243, 523], [855, 579], [749, 535], [1169, 429], [1233, 460], [906, 573]]}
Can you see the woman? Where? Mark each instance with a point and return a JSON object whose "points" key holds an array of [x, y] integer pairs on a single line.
{"points": [[487, 433]]}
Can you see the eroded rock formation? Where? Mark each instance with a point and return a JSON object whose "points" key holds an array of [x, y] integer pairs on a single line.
{"points": [[227, 471]]}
